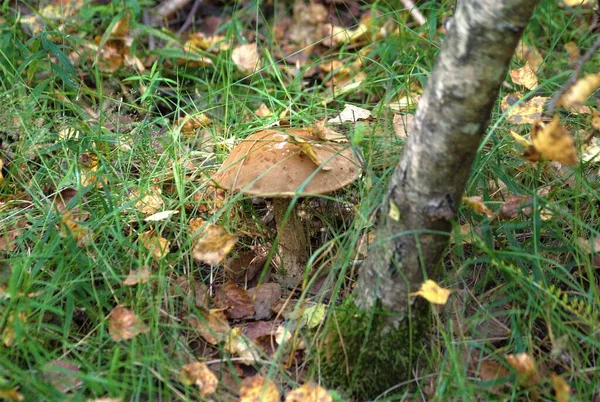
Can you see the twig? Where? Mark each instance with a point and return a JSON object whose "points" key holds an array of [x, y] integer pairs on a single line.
{"points": [[169, 7], [148, 21], [414, 11], [190, 18], [551, 106]]}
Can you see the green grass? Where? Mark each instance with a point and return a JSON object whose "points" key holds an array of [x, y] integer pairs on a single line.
{"points": [[59, 293]]}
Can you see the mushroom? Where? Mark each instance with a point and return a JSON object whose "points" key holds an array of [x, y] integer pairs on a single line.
{"points": [[271, 163]]}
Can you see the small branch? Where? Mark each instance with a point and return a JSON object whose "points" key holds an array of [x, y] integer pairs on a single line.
{"points": [[551, 106], [169, 7], [190, 18], [414, 11]]}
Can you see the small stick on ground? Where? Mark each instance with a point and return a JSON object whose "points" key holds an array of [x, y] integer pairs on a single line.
{"points": [[414, 11], [190, 18]]}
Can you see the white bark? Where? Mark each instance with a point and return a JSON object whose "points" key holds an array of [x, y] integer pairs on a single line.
{"points": [[430, 178]]}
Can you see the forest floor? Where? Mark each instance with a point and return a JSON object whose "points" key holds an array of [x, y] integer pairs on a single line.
{"points": [[126, 273]]}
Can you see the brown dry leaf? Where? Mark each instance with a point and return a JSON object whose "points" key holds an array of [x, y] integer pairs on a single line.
{"points": [[200, 375], [553, 142], [524, 76], [214, 43], [114, 53], [259, 389], [246, 58], [514, 205], [490, 370], [234, 300], [402, 124], [309, 393], [530, 54], [307, 22], [150, 203], [351, 114], [572, 52], [62, 375], [476, 202], [265, 296], [137, 276], [561, 388], [11, 394], [124, 324], [153, 242], [580, 91], [212, 326], [192, 123], [525, 112], [89, 164], [590, 246], [325, 133], [525, 367], [213, 245], [432, 292], [8, 235], [263, 111]]}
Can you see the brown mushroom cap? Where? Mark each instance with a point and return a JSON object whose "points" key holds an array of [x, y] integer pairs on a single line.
{"points": [[269, 164]]}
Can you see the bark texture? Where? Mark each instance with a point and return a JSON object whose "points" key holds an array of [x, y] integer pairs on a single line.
{"points": [[428, 183]]}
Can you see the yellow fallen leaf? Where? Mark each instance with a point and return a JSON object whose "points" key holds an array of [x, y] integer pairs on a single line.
{"points": [[476, 203], [553, 142], [124, 324], [258, 388], [524, 76], [158, 246], [213, 245], [530, 54], [246, 58], [520, 139], [580, 91], [572, 52], [200, 375], [578, 3], [524, 112], [596, 120], [524, 365], [432, 292], [561, 388]]}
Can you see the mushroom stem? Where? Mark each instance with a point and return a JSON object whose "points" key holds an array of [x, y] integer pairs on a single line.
{"points": [[292, 240]]}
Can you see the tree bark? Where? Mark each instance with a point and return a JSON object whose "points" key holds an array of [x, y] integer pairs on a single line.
{"points": [[427, 185], [371, 341]]}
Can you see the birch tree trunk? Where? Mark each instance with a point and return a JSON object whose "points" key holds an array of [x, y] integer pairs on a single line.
{"points": [[426, 189]]}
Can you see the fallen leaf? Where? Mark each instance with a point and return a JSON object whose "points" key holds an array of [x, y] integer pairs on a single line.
{"points": [[524, 76], [530, 54], [307, 149], [246, 58], [514, 205], [351, 114], [578, 3], [213, 245], [590, 246], [200, 375], [314, 315], [150, 202], [490, 370], [595, 122], [591, 152], [15, 321], [432, 292], [309, 392], [212, 326], [192, 123], [259, 389], [124, 324], [578, 93], [265, 296], [62, 375], [263, 111], [72, 226], [137, 276], [325, 133], [561, 388], [161, 216], [525, 112], [237, 344], [553, 142], [402, 124], [235, 302], [525, 367], [520, 139], [153, 242], [11, 394], [572, 52], [89, 163], [476, 203]]}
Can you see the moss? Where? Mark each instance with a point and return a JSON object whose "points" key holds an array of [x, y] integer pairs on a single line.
{"points": [[360, 354]]}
